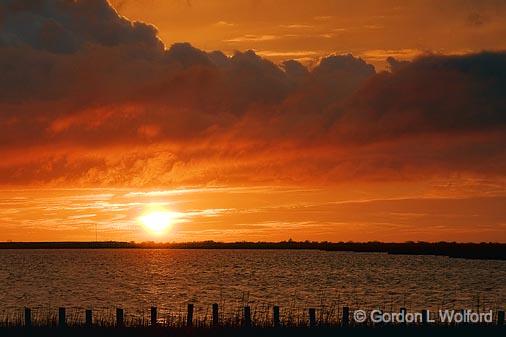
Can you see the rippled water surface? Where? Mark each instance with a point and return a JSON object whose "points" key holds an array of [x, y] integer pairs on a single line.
{"points": [[137, 279]]}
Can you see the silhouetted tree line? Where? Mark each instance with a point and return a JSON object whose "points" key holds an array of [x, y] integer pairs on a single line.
{"points": [[483, 250]]}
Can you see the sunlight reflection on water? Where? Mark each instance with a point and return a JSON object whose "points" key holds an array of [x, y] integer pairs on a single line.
{"points": [[137, 279]]}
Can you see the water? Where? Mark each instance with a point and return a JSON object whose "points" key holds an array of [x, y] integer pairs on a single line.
{"points": [[137, 279]]}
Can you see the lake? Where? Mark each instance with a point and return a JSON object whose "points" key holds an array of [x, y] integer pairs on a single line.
{"points": [[295, 280]]}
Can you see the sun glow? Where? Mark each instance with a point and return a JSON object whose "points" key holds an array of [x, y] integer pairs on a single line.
{"points": [[158, 222]]}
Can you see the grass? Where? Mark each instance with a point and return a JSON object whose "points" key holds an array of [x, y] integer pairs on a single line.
{"points": [[230, 316]]}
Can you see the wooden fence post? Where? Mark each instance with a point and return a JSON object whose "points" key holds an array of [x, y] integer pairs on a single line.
{"points": [[247, 316], [425, 316], [120, 318], [312, 317], [89, 318], [62, 320], [154, 316], [189, 316], [346, 316], [275, 316], [216, 319], [28, 317]]}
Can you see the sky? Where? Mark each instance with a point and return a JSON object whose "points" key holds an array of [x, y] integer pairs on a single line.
{"points": [[252, 120], [294, 29]]}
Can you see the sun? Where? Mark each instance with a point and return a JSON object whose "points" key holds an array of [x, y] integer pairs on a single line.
{"points": [[158, 222]]}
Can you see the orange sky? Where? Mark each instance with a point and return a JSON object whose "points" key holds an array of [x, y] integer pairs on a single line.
{"points": [[294, 29], [346, 213], [338, 120]]}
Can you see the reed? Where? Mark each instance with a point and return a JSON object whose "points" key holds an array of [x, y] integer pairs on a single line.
{"points": [[193, 316]]}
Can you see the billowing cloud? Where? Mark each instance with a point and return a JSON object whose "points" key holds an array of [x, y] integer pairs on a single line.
{"points": [[432, 94], [90, 98], [69, 26]]}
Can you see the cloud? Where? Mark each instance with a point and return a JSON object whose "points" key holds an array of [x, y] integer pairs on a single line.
{"points": [[89, 98], [254, 38], [433, 94], [68, 26], [224, 24], [296, 26], [293, 53], [399, 54]]}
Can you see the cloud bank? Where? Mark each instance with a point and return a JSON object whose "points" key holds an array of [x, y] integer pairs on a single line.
{"points": [[89, 98]]}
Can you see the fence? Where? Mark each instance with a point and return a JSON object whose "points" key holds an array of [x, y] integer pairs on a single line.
{"points": [[243, 317]]}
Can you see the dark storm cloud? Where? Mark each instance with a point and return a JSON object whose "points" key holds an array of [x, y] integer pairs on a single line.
{"points": [[432, 94], [66, 26], [92, 96]]}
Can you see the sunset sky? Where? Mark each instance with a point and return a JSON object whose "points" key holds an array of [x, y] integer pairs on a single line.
{"points": [[253, 120]]}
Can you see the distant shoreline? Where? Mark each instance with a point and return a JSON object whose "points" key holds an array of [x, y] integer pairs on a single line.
{"points": [[484, 251]]}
